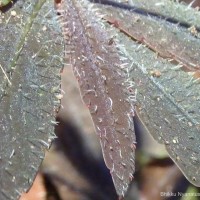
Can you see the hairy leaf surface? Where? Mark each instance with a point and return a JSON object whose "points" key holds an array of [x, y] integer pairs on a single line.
{"points": [[99, 70], [29, 80], [167, 103]]}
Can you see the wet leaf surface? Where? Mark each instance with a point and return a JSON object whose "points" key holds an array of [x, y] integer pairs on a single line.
{"points": [[30, 75]]}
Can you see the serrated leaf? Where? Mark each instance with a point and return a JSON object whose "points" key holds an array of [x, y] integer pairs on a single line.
{"points": [[30, 64], [172, 45], [98, 68], [168, 104]]}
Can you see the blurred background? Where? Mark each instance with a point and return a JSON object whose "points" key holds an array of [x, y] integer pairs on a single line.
{"points": [[73, 168]]}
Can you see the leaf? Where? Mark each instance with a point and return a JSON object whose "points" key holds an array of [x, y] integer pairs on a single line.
{"points": [[167, 104], [98, 68], [4, 2], [30, 64], [171, 46]]}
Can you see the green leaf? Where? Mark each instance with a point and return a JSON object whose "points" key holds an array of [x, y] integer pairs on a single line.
{"points": [[31, 58], [4, 2]]}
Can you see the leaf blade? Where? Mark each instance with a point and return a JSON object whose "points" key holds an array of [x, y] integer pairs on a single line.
{"points": [[27, 105], [98, 69]]}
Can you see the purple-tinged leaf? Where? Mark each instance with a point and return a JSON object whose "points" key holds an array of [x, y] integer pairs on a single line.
{"points": [[170, 46], [168, 100], [99, 70]]}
